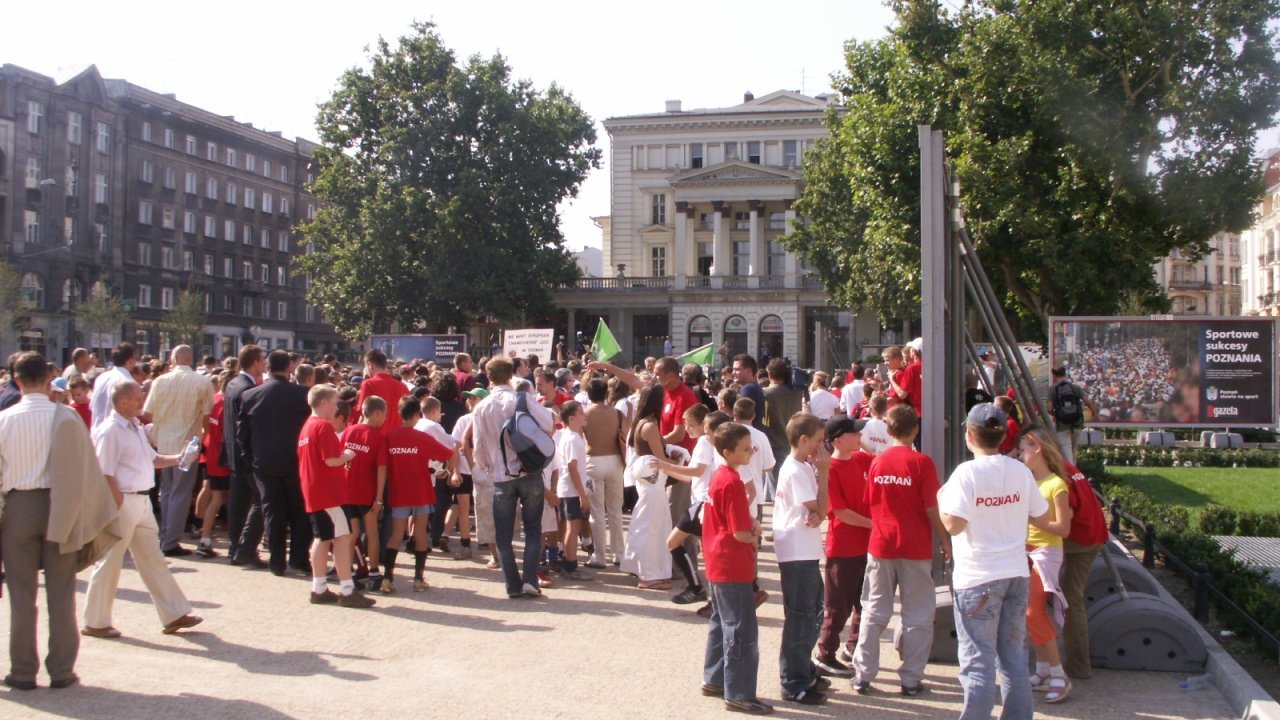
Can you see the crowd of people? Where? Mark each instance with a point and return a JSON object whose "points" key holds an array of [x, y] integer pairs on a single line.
{"points": [[1129, 381], [660, 471]]}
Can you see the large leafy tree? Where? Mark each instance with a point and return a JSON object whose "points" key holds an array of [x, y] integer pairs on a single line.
{"points": [[1090, 139], [185, 321], [13, 301], [102, 313], [439, 183]]}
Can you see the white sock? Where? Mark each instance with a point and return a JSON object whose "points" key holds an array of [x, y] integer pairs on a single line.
{"points": [[317, 584], [348, 586], [1057, 671], [206, 542], [1042, 668]]}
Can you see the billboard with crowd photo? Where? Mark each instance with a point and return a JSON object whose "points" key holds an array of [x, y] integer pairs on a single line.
{"points": [[1171, 370], [438, 348]]}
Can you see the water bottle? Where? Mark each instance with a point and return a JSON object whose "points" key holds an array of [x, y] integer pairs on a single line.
{"points": [[189, 454], [1197, 682]]}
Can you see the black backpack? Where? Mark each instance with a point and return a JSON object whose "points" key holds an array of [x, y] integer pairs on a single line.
{"points": [[1068, 407], [532, 445]]}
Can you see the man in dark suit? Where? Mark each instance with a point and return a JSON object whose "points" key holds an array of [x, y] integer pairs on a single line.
{"points": [[244, 506], [271, 418]]}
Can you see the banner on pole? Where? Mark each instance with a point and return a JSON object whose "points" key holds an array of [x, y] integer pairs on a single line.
{"points": [[530, 341]]}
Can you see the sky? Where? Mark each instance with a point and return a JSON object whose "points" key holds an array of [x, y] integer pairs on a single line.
{"points": [[271, 62]]}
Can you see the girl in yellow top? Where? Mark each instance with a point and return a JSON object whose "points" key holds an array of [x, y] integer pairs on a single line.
{"points": [[1038, 450]]}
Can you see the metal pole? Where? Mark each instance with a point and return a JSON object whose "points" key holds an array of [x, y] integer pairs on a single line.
{"points": [[933, 242]]}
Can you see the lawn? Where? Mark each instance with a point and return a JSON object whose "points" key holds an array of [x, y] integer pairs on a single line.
{"points": [[1240, 489]]}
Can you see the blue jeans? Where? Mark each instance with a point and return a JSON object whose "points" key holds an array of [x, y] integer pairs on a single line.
{"points": [[802, 619], [733, 641], [991, 624], [527, 490]]}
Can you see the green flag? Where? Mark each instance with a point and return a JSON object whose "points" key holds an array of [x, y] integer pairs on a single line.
{"points": [[705, 355], [604, 347]]}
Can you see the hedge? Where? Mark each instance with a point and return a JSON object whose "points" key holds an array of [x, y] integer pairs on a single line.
{"points": [[1143, 456]]}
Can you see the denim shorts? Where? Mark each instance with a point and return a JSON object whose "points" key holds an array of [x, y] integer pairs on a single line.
{"points": [[407, 511], [571, 509]]}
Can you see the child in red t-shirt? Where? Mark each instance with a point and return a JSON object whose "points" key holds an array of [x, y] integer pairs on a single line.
{"points": [[848, 530], [217, 478], [410, 490], [367, 476], [729, 535], [320, 461], [78, 388], [902, 495]]}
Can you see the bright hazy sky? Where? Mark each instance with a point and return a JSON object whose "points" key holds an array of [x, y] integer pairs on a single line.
{"points": [[270, 62]]}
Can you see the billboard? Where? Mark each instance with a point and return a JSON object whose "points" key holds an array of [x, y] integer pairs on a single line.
{"points": [[440, 348], [1171, 370]]}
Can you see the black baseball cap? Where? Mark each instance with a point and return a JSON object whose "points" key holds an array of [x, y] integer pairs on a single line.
{"points": [[842, 425]]}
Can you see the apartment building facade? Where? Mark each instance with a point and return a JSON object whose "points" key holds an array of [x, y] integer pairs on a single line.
{"points": [[1260, 288], [1210, 285]]}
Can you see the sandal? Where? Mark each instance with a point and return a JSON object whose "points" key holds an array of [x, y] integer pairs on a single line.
{"points": [[1059, 688], [1040, 683], [654, 585]]}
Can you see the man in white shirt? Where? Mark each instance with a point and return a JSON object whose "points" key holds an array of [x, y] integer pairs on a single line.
{"points": [[122, 361], [178, 406], [762, 459], [512, 484], [129, 463], [986, 505], [851, 393]]}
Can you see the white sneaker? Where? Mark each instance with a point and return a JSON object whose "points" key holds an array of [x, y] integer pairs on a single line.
{"points": [[532, 590]]}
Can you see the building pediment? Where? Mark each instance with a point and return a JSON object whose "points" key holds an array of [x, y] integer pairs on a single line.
{"points": [[88, 86], [732, 172]]}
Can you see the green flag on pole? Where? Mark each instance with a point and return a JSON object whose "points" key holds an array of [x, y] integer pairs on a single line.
{"points": [[604, 347], [705, 355]]}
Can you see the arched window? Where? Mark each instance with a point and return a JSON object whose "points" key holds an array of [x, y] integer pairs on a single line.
{"points": [[735, 334], [699, 332], [771, 332], [33, 290]]}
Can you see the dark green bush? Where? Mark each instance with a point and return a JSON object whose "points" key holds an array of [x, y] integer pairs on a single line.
{"points": [[1251, 523], [1142, 456], [1218, 520]]}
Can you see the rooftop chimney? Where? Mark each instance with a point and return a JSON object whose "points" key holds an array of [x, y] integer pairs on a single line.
{"points": [[748, 97], [673, 106]]}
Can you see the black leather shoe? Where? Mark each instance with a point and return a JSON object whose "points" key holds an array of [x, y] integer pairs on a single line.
{"points": [[712, 690], [65, 682], [252, 561], [17, 684], [177, 551], [750, 707]]}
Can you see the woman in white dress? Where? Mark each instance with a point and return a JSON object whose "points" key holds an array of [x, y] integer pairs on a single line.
{"points": [[647, 556]]}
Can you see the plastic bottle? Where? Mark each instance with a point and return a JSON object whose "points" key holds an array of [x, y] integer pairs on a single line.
{"points": [[189, 454], [1197, 682]]}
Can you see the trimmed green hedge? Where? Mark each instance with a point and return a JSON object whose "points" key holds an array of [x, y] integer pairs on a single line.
{"points": [[1143, 456], [1218, 520], [1247, 586]]}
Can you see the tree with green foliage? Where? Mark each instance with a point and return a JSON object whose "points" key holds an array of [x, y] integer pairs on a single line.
{"points": [[439, 183], [102, 313], [185, 321], [1090, 139], [13, 302]]}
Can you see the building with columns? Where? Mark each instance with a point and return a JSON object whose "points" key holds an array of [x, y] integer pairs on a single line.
{"points": [[1261, 283], [1209, 285], [700, 200]]}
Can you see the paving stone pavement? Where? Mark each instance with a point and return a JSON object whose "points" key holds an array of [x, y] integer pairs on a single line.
{"points": [[462, 649]]}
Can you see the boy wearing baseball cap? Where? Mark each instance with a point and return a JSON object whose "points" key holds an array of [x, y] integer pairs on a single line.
{"points": [[986, 505]]}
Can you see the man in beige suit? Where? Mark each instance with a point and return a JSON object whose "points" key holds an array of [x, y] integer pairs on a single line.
{"points": [[129, 463], [178, 406]]}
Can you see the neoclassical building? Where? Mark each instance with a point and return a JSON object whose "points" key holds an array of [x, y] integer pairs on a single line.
{"points": [[1261, 287], [1209, 285], [700, 199]]}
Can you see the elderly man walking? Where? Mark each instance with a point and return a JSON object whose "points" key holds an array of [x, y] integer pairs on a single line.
{"points": [[129, 463], [178, 404]]}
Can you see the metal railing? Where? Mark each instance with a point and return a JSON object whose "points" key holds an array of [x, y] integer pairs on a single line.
{"points": [[621, 282]]}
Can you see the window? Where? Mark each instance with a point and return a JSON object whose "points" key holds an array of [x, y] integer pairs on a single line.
{"points": [[144, 296], [69, 230], [282, 310], [706, 221], [248, 307], [248, 235], [311, 313], [731, 151], [74, 124], [191, 145], [266, 168], [35, 113], [211, 188], [226, 307], [33, 290], [189, 222], [284, 206], [71, 290], [168, 138], [31, 219], [104, 138], [144, 254], [246, 270], [167, 218], [265, 269], [658, 261], [268, 204], [100, 233], [229, 230], [777, 221], [231, 157], [146, 132], [742, 221], [658, 210], [311, 211], [210, 226], [33, 173], [695, 155], [208, 302], [777, 258], [147, 172], [166, 258], [70, 181], [208, 264], [282, 276], [211, 152], [753, 152], [144, 212], [284, 173], [264, 239], [166, 298], [228, 268], [789, 153], [250, 162], [191, 184], [283, 241], [231, 193], [170, 178], [188, 260], [741, 257], [250, 198], [100, 188]]}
